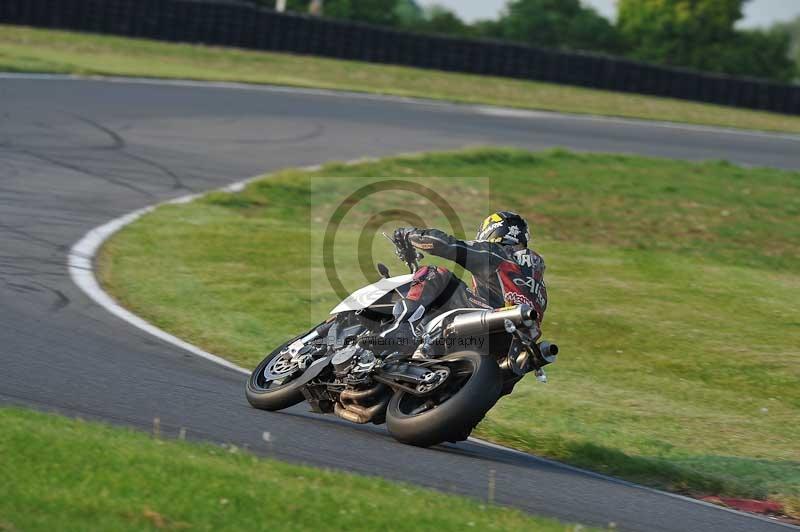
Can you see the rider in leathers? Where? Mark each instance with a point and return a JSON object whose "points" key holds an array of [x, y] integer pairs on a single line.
{"points": [[504, 273]]}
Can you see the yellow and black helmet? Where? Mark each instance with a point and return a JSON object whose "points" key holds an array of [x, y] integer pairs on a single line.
{"points": [[504, 227]]}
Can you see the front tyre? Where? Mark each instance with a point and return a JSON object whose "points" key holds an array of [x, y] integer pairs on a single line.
{"points": [[270, 386], [473, 387]]}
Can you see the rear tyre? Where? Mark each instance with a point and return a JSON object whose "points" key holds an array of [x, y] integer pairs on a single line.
{"points": [[472, 389], [274, 394]]}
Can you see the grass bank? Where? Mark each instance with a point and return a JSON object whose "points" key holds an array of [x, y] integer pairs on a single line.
{"points": [[62, 474], [674, 296], [36, 50]]}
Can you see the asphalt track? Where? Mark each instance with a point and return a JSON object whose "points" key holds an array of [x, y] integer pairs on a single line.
{"points": [[77, 153]]}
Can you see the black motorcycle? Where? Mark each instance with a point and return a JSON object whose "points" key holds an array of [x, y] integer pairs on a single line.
{"points": [[464, 361]]}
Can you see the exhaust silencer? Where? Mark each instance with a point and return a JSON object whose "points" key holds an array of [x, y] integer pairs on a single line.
{"points": [[548, 352], [490, 321], [544, 354], [522, 361]]}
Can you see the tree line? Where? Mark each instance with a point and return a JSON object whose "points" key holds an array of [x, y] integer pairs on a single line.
{"points": [[700, 34]]}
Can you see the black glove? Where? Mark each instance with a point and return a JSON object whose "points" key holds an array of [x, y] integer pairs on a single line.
{"points": [[403, 248], [401, 233]]}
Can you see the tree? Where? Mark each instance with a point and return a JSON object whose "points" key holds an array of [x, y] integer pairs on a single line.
{"points": [[380, 12], [792, 29], [701, 34], [491, 29], [439, 19], [408, 13], [676, 31], [759, 53], [591, 31], [558, 23]]}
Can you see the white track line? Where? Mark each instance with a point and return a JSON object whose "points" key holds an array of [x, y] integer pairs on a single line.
{"points": [[82, 254], [81, 270], [80, 263]]}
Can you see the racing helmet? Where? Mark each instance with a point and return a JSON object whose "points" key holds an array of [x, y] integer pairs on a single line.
{"points": [[504, 227]]}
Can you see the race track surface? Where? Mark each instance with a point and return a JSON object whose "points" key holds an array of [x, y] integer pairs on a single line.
{"points": [[76, 153]]}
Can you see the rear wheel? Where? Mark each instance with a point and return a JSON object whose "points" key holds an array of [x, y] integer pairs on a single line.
{"points": [[450, 414], [270, 386]]}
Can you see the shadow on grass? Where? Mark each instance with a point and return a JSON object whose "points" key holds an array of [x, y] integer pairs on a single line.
{"points": [[690, 475]]}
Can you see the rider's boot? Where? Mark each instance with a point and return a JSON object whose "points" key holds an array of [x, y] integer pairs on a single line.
{"points": [[400, 337], [431, 287]]}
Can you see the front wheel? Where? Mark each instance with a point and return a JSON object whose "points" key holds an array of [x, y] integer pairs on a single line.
{"points": [[270, 386], [450, 414]]}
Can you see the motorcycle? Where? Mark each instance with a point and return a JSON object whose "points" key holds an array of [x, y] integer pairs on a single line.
{"points": [[465, 359]]}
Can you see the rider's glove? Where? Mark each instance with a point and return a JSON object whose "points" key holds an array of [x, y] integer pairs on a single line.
{"points": [[401, 233], [404, 249]]}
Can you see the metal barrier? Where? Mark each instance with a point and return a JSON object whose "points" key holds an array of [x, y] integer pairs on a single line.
{"points": [[245, 26]]}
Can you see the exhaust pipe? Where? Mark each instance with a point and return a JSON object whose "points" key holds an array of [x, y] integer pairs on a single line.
{"points": [[357, 396], [348, 415], [349, 409], [490, 321], [527, 360], [362, 414], [548, 351]]}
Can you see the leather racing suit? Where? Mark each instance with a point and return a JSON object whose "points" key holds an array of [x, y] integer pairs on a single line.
{"points": [[501, 277]]}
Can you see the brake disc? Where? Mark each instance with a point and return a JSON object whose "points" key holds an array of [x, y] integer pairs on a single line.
{"points": [[280, 367]]}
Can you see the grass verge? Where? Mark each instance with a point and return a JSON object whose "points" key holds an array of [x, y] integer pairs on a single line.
{"points": [[674, 296], [62, 474], [36, 50]]}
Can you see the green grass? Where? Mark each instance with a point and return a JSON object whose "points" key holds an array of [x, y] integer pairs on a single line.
{"points": [[674, 287], [63, 474], [35, 50]]}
